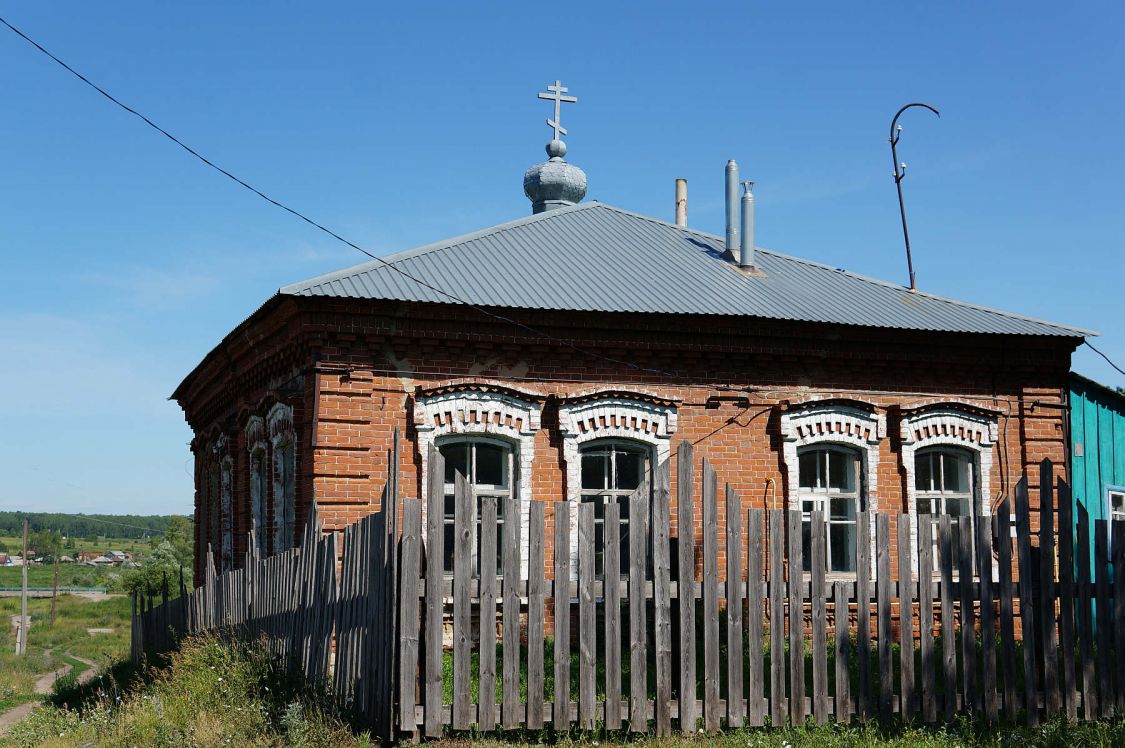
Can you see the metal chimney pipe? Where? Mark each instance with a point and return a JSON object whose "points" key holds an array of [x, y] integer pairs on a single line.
{"points": [[746, 254], [681, 202], [732, 206]]}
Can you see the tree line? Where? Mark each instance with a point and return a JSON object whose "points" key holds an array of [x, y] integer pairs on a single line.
{"points": [[128, 526]]}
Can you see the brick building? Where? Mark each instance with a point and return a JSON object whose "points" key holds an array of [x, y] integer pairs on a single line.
{"points": [[559, 356]]}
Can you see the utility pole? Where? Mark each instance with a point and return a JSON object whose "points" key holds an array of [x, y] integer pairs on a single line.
{"points": [[21, 639], [55, 593]]}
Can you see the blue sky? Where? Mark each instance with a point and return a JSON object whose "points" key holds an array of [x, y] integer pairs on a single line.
{"points": [[124, 260]]}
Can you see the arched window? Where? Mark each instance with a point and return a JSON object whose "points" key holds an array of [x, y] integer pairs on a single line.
{"points": [[259, 482], [611, 440], [831, 481], [214, 516], [947, 452], [491, 469], [284, 441], [611, 472], [831, 453], [945, 484]]}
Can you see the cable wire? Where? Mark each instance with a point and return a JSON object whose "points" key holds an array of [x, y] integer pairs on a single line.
{"points": [[1107, 358], [321, 227]]}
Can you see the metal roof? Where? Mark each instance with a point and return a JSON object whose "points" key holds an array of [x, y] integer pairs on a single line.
{"points": [[594, 257]]}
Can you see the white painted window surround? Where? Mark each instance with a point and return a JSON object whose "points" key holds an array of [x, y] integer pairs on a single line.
{"points": [[633, 416], [834, 421], [947, 424], [483, 409]]}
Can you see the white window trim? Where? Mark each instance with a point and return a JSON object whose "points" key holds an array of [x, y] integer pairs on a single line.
{"points": [[950, 426], [625, 418], [483, 412], [257, 445], [1110, 489], [279, 423], [823, 422]]}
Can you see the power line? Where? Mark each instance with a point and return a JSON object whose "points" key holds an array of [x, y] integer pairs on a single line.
{"points": [[242, 183], [1107, 358]]}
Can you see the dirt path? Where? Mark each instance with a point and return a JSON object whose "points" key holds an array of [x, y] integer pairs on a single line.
{"points": [[44, 686]]}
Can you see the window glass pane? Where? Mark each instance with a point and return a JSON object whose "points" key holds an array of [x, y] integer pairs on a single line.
{"points": [[595, 467], [806, 546], [450, 506], [841, 471], [808, 475], [492, 464], [456, 456], [447, 547], [957, 507], [955, 472], [923, 471], [630, 469], [841, 539], [842, 509]]}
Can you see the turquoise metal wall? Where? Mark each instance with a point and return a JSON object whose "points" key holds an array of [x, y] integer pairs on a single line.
{"points": [[1097, 446]]}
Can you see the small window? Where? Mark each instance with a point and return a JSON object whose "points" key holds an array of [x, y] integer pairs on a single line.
{"points": [[488, 465], [1115, 503], [611, 472], [214, 530], [830, 481], [944, 481]]}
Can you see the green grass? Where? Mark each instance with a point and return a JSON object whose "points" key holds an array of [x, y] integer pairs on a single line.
{"points": [[210, 694], [43, 575], [47, 646]]}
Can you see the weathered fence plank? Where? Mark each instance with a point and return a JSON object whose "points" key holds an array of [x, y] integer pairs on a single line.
{"points": [[906, 595], [462, 604], [710, 600], [968, 619], [411, 548], [1066, 600], [818, 566], [987, 620], [883, 584], [796, 622], [1086, 619], [536, 616], [512, 713], [587, 635], [734, 550], [638, 630], [948, 640], [778, 708], [561, 704], [1007, 618], [926, 616], [685, 582], [1052, 701], [612, 566], [755, 702], [486, 662], [863, 613], [843, 680], [1106, 698], [1118, 546], [662, 596], [1027, 603], [435, 575]]}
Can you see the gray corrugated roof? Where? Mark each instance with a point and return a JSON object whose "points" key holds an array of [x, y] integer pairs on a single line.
{"points": [[594, 257]]}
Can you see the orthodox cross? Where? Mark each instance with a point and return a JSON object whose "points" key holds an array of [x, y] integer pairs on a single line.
{"points": [[556, 95]]}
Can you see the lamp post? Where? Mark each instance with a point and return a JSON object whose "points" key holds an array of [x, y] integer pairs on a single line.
{"points": [[899, 175]]}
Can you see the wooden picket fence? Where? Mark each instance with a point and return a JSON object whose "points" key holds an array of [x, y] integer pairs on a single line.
{"points": [[667, 645]]}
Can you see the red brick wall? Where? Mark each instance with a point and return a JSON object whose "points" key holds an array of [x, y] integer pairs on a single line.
{"points": [[350, 369]]}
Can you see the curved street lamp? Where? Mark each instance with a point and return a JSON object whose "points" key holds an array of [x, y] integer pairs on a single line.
{"points": [[899, 175]]}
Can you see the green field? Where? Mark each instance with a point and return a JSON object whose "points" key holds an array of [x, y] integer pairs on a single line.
{"points": [[99, 545], [43, 575], [49, 647]]}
